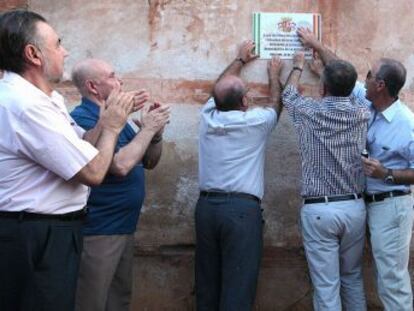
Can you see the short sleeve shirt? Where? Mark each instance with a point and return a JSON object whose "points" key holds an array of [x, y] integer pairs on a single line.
{"points": [[232, 148], [41, 149], [390, 140], [114, 206]]}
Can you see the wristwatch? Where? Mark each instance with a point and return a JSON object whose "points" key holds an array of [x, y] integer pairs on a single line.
{"points": [[241, 60], [389, 178]]}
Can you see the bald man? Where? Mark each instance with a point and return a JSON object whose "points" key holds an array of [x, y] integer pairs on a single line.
{"points": [[231, 167], [105, 277]]}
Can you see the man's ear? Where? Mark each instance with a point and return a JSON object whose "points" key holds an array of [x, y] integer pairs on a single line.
{"points": [[32, 55], [245, 103], [91, 87], [322, 89], [380, 86]]}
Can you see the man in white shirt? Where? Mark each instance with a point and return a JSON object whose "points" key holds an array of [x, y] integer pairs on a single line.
{"points": [[228, 217], [46, 164]]}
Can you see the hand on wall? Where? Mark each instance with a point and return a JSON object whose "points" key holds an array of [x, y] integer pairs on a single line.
{"points": [[246, 51]]}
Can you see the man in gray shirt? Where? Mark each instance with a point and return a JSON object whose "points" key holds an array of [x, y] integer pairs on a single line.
{"points": [[231, 167]]}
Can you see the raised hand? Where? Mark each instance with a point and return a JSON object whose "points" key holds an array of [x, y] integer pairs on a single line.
{"points": [[307, 38], [140, 97], [317, 66], [299, 59], [155, 117], [116, 111], [274, 67], [246, 51]]}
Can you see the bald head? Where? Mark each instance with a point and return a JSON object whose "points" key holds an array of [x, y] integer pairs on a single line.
{"points": [[228, 93], [90, 73]]}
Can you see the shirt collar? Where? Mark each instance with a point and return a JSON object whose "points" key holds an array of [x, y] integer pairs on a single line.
{"points": [[20, 82], [336, 99], [94, 109], [390, 112], [91, 106]]}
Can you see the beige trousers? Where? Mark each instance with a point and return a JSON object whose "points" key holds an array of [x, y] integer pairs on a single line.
{"points": [[105, 273]]}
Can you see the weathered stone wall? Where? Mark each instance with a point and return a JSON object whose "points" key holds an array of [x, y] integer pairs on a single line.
{"points": [[176, 49]]}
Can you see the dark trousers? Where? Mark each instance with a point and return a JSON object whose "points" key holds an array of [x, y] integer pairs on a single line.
{"points": [[228, 252], [39, 261]]}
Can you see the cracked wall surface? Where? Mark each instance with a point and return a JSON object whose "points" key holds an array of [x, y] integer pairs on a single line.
{"points": [[176, 49]]}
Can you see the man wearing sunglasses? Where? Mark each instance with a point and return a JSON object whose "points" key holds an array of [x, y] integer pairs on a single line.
{"points": [[390, 172]]}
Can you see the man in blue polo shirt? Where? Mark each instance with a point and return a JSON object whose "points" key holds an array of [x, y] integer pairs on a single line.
{"points": [[114, 206]]}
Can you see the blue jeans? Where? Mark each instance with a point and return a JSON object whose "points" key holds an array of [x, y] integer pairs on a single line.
{"points": [[228, 252]]}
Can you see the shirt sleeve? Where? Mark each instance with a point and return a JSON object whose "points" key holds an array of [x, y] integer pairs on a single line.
{"points": [[269, 116], [209, 106], [296, 104], [408, 150], [359, 93], [84, 121], [47, 136]]}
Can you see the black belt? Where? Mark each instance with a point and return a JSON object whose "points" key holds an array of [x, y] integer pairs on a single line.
{"points": [[369, 198], [77, 215], [334, 198], [240, 195]]}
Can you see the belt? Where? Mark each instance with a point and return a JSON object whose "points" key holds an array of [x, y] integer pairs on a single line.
{"points": [[77, 215], [239, 195], [369, 198], [334, 198]]}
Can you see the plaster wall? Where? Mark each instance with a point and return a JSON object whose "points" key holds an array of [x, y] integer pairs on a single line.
{"points": [[176, 49]]}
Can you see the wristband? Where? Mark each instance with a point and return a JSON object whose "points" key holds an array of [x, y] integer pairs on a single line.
{"points": [[297, 68], [241, 60]]}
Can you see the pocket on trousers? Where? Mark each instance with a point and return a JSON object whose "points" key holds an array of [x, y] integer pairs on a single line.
{"points": [[316, 227], [47, 245], [77, 242]]}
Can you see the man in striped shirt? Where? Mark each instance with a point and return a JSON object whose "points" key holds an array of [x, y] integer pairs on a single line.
{"points": [[390, 172], [332, 134]]}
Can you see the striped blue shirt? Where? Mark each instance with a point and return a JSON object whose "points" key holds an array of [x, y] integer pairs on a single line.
{"points": [[332, 133]]}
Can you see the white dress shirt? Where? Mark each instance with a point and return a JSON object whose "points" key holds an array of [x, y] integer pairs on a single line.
{"points": [[232, 148], [40, 150], [390, 140]]}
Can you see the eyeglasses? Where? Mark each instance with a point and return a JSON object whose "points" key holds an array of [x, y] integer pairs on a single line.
{"points": [[371, 76]]}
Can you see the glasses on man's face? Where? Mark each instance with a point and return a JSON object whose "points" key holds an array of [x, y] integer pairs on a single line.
{"points": [[371, 76]]}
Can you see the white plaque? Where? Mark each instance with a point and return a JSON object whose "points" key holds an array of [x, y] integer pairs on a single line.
{"points": [[275, 33]]}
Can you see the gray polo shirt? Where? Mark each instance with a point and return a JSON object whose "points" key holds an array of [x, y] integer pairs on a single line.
{"points": [[232, 148]]}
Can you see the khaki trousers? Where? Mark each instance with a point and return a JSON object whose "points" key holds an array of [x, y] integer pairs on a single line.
{"points": [[105, 274]]}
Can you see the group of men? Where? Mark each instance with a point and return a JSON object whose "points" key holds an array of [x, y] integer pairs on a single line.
{"points": [[48, 159], [342, 189]]}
